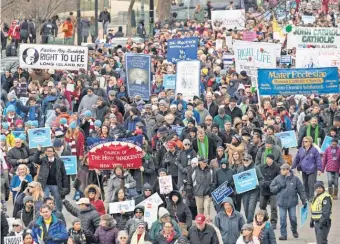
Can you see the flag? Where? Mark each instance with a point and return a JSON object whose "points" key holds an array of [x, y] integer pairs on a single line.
{"points": [[277, 31]]}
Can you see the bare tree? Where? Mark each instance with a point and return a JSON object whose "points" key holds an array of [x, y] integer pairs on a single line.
{"points": [[163, 9], [129, 16]]}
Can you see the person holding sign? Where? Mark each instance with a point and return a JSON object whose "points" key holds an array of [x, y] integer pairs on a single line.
{"points": [[321, 210], [287, 186]]}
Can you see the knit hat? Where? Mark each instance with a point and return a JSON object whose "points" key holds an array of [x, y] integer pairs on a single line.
{"points": [[163, 212], [35, 123], [22, 137], [28, 123], [98, 123], [271, 156], [2, 138], [141, 222], [4, 125], [57, 143], [319, 184], [186, 141], [237, 137], [88, 113], [191, 120], [224, 161], [73, 125], [270, 140], [63, 121], [18, 121], [162, 170], [140, 208], [247, 227], [163, 130], [28, 198], [285, 166], [10, 109]]}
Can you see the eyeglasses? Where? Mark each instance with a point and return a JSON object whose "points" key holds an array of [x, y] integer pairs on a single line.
{"points": [[15, 225]]}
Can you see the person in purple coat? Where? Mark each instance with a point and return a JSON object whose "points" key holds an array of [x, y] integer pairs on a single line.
{"points": [[308, 161], [331, 162], [107, 231]]}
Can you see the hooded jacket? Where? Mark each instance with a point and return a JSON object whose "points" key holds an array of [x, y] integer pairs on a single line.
{"points": [[101, 111], [330, 163], [179, 211], [276, 151], [115, 183], [183, 163], [142, 196], [104, 235], [223, 175], [96, 202], [230, 226], [269, 173], [131, 225], [201, 182]]}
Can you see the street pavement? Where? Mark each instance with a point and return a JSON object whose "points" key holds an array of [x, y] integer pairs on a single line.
{"points": [[306, 234]]}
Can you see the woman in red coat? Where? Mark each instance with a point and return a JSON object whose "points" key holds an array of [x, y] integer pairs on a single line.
{"points": [[93, 193], [14, 32], [75, 138]]}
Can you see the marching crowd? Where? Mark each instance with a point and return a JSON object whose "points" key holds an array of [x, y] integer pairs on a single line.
{"points": [[225, 131]]}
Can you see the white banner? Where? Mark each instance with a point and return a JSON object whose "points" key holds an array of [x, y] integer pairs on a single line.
{"points": [[118, 207], [39, 56], [302, 37], [317, 57], [13, 240], [188, 78], [229, 19], [252, 55]]}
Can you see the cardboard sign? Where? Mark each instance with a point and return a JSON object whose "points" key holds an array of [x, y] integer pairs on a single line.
{"points": [[13, 240], [117, 207], [39, 137], [165, 184], [70, 163], [288, 139]]}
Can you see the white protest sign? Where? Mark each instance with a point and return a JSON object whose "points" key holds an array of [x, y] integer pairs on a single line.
{"points": [[229, 19], [229, 41], [40, 56], [13, 240], [188, 78], [317, 57], [154, 199], [126, 206], [219, 44], [150, 213], [165, 184]]}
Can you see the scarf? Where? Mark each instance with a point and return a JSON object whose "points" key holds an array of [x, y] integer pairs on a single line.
{"points": [[134, 239], [266, 152], [73, 145], [169, 237], [204, 153], [258, 227], [10, 122], [91, 122], [64, 128], [31, 114], [316, 134]]}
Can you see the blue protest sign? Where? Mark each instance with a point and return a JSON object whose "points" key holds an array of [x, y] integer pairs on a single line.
{"points": [[70, 163], [138, 75], [288, 139], [169, 81], [221, 192], [39, 137], [298, 81], [286, 59], [92, 142], [16, 134], [303, 215], [182, 49], [245, 181], [178, 129], [326, 143]]}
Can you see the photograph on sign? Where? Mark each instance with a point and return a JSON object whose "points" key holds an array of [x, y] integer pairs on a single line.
{"points": [[118, 207], [188, 78], [165, 184]]}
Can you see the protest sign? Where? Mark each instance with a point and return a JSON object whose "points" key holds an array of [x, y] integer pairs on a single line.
{"points": [[165, 184], [150, 213], [229, 42], [108, 155], [70, 87], [229, 19], [169, 81], [182, 49], [13, 240], [188, 78], [63, 57], [288, 139], [286, 59], [298, 81], [326, 143], [317, 57], [228, 61], [117, 207], [178, 129], [219, 44], [249, 36], [252, 55], [154, 199], [221, 192], [70, 163], [245, 181], [39, 137], [308, 19], [303, 215], [302, 37], [138, 75], [92, 142]]}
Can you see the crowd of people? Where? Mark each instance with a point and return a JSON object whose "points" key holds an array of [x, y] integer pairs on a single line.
{"points": [[227, 129]]}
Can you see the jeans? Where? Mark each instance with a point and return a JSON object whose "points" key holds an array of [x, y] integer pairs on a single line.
{"points": [[283, 220], [309, 182], [68, 41], [105, 26], [249, 204], [203, 205], [333, 179], [273, 208], [56, 194]]}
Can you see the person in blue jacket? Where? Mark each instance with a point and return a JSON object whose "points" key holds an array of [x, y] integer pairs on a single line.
{"points": [[48, 228]]}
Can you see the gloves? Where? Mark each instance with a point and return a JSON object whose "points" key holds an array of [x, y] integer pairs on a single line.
{"points": [[305, 205], [311, 223]]}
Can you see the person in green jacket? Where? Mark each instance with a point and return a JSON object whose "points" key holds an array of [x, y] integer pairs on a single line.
{"points": [[221, 118], [164, 217], [199, 14]]}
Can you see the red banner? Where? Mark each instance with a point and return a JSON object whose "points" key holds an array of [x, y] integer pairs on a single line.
{"points": [[108, 155]]}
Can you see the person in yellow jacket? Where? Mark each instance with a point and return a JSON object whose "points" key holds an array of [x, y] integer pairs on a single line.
{"points": [[321, 213]]}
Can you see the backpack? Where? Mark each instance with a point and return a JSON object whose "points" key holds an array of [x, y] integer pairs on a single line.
{"points": [[11, 50]]}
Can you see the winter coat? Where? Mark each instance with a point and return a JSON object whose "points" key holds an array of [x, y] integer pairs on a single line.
{"points": [[131, 225], [179, 211], [101, 111], [329, 116], [169, 162], [240, 240], [148, 176], [160, 239], [211, 148], [118, 130], [201, 182], [223, 175], [308, 162], [4, 226], [269, 173], [183, 163], [106, 235], [60, 174], [213, 109], [330, 163], [157, 226], [87, 103], [230, 226], [236, 112], [96, 202], [142, 197], [130, 123], [268, 235], [122, 219], [287, 190], [209, 235], [89, 218], [221, 121], [26, 217], [56, 232], [14, 154], [85, 27], [276, 151], [303, 133], [116, 183], [14, 32]]}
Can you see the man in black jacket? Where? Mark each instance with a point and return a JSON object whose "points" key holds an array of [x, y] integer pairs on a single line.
{"points": [[202, 232], [52, 175], [269, 171], [27, 213], [232, 110]]}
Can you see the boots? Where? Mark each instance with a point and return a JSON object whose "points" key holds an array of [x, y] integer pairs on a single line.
{"points": [[330, 190], [335, 196]]}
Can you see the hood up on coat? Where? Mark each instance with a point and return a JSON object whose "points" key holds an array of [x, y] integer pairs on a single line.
{"points": [[96, 188], [175, 193]]}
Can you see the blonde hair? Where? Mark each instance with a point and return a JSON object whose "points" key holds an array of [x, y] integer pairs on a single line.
{"points": [[24, 166], [38, 194], [308, 138]]}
